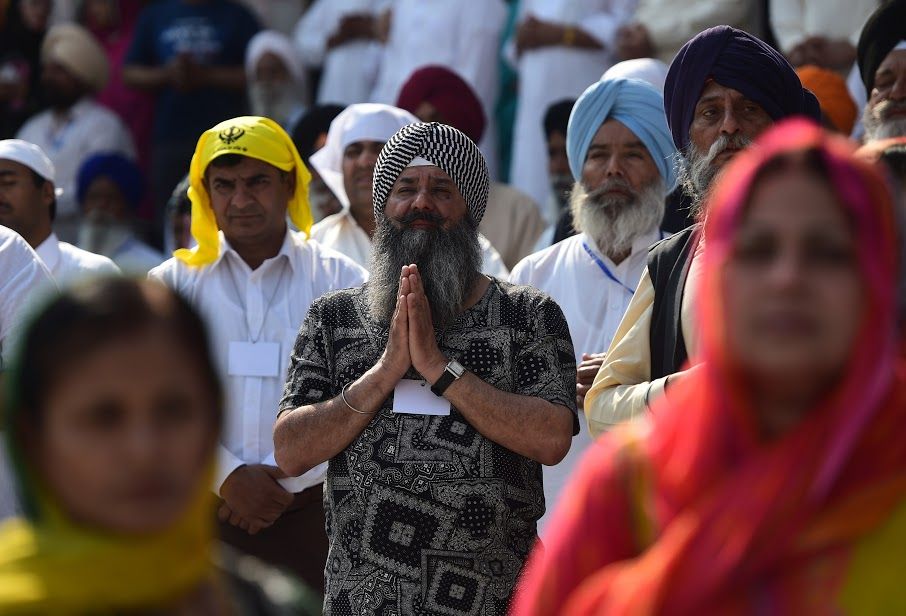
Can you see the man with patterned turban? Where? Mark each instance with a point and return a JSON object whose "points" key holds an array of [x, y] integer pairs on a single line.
{"points": [[435, 392], [723, 89], [253, 279], [621, 157]]}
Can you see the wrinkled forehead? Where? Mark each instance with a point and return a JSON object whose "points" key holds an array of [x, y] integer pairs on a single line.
{"points": [[431, 174]]}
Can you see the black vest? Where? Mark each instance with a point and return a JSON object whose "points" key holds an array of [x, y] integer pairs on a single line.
{"points": [[668, 266]]}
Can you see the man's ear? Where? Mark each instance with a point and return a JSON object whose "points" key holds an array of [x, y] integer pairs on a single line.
{"points": [[48, 193], [291, 180]]}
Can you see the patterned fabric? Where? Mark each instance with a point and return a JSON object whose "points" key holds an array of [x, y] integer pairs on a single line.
{"points": [[444, 146], [424, 514]]}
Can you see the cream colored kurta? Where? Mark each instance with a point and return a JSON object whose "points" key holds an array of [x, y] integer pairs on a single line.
{"points": [[623, 388]]}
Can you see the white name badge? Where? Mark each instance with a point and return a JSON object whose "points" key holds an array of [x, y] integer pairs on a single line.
{"points": [[254, 359], [416, 397]]}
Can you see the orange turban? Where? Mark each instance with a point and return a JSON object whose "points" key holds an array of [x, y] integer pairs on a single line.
{"points": [[830, 88]]}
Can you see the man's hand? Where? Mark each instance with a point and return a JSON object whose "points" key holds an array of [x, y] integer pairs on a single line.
{"points": [[354, 27], [253, 498], [633, 41], [533, 33], [395, 360], [426, 356], [586, 373]]}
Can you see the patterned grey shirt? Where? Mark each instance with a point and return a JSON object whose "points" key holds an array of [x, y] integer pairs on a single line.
{"points": [[424, 514]]}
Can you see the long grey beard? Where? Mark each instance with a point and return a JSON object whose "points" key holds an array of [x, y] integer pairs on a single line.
{"points": [[614, 222], [697, 173], [449, 262], [878, 125]]}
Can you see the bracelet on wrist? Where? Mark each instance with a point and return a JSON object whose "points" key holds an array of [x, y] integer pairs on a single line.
{"points": [[346, 402]]}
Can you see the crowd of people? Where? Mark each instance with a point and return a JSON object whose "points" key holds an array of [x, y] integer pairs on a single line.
{"points": [[539, 307]]}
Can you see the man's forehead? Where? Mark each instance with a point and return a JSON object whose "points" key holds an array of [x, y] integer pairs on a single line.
{"points": [[8, 166], [612, 132], [431, 172], [894, 61], [364, 144], [247, 165], [714, 90]]}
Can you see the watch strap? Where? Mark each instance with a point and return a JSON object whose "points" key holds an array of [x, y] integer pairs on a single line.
{"points": [[446, 379]]}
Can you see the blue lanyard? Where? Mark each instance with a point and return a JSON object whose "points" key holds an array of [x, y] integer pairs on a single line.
{"points": [[604, 268]]}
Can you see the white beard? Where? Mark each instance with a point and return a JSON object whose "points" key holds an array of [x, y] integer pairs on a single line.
{"points": [[878, 126], [614, 223]]}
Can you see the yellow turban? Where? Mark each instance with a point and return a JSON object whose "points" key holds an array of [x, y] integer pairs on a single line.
{"points": [[252, 136]]}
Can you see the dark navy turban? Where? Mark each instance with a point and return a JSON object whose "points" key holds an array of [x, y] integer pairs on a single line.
{"points": [[737, 60]]}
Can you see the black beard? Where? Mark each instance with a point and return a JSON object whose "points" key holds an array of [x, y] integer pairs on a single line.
{"points": [[448, 260]]}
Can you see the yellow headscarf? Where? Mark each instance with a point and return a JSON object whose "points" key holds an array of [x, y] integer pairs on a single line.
{"points": [[252, 136]]}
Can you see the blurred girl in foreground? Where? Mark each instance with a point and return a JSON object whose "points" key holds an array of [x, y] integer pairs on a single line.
{"points": [[773, 479], [112, 420]]}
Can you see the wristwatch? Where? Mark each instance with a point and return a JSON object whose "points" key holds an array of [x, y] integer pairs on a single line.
{"points": [[452, 372]]}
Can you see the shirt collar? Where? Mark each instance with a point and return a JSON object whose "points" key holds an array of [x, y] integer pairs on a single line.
{"points": [[640, 244], [49, 251], [286, 249]]}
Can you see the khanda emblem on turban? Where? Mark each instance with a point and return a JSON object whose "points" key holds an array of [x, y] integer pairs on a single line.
{"points": [[231, 134]]}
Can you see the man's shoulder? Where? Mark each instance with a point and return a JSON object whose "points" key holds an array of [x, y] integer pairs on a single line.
{"points": [[87, 261], [525, 295], [536, 262], [177, 274], [675, 241]]}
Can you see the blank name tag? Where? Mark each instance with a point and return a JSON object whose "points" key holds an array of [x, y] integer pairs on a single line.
{"points": [[416, 397], [254, 359]]}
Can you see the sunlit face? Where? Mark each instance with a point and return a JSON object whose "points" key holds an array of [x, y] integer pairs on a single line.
{"points": [[250, 200], [792, 286], [616, 152], [890, 80], [127, 433], [724, 111], [429, 196], [359, 159], [24, 207]]}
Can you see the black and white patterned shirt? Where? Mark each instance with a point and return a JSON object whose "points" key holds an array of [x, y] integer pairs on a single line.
{"points": [[424, 514]]}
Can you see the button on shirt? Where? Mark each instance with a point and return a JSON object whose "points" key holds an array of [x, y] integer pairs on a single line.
{"points": [[267, 304]]}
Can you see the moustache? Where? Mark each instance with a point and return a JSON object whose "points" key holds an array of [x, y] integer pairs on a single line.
{"points": [[727, 142], [411, 217], [887, 108], [601, 192]]}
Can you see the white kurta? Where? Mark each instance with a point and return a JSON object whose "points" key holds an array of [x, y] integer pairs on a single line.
{"points": [[671, 23], [69, 264], [23, 280], [551, 74], [88, 128], [341, 232], [267, 304], [793, 21], [461, 36], [348, 72], [135, 257], [593, 304]]}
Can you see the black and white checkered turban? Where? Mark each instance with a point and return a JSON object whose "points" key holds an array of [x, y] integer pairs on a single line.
{"points": [[449, 149]]}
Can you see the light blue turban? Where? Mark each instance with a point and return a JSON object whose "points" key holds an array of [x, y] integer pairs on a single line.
{"points": [[634, 103]]}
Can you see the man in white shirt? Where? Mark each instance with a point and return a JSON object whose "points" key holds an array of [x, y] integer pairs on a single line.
{"points": [[342, 39], [621, 156], [28, 204], [75, 127], [346, 164], [110, 189], [277, 85], [253, 279], [23, 278], [558, 48]]}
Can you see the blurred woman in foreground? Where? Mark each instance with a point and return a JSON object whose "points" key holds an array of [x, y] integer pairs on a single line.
{"points": [[773, 479], [112, 421]]}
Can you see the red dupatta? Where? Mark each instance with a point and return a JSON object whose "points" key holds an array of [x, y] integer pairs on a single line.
{"points": [[732, 511]]}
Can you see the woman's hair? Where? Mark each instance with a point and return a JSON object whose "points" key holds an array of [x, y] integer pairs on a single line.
{"points": [[86, 318]]}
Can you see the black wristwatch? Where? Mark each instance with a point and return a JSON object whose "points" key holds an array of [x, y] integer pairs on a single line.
{"points": [[453, 371]]}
